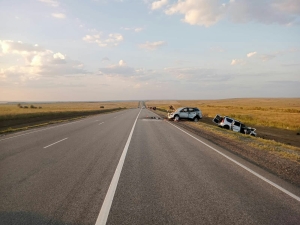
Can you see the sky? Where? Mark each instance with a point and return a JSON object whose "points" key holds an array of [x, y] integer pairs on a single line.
{"points": [[102, 50]]}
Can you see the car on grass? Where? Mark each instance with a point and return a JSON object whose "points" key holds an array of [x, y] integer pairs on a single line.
{"points": [[234, 125], [190, 113]]}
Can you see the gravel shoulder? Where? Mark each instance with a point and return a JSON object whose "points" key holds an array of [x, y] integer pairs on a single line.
{"points": [[279, 159]]}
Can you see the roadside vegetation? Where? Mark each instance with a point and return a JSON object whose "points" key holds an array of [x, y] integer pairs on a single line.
{"points": [[281, 113], [22, 116], [279, 149]]}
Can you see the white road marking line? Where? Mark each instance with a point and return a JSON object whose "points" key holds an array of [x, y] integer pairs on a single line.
{"points": [[101, 123], [96, 120], [40, 130], [43, 129], [104, 212], [244, 167], [55, 143]]}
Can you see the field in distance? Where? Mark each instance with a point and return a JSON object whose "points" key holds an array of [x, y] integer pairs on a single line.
{"points": [[21, 116], [15, 109]]}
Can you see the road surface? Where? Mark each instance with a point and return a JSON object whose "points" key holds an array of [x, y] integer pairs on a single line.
{"points": [[126, 168]]}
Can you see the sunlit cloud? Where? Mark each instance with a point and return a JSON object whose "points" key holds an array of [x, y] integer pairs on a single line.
{"points": [[158, 4], [250, 54], [52, 3], [59, 15], [153, 45], [111, 40], [237, 62]]}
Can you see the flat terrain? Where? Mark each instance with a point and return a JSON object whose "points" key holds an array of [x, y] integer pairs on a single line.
{"points": [[14, 116], [274, 119], [61, 175]]}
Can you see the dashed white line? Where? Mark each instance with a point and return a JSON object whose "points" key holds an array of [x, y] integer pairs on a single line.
{"points": [[101, 123], [55, 143], [244, 167], [104, 212], [39, 130]]}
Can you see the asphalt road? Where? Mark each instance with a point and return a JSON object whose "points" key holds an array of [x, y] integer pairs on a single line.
{"points": [[65, 174]]}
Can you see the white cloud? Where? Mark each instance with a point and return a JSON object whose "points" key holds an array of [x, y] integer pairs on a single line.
{"points": [[250, 54], [38, 62], [52, 3], [139, 29], [18, 47], [198, 12], [111, 40], [122, 63], [237, 62], [136, 29], [208, 12], [158, 4], [58, 56], [122, 70], [287, 6], [152, 45], [59, 15]]}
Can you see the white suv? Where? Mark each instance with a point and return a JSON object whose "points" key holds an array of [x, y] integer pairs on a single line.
{"points": [[224, 122], [234, 125], [186, 113]]}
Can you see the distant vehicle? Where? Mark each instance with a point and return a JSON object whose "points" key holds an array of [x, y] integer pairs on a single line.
{"points": [[190, 113], [143, 107], [234, 125]]}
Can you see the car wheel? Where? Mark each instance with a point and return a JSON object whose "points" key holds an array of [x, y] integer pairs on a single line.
{"points": [[196, 119], [176, 118]]}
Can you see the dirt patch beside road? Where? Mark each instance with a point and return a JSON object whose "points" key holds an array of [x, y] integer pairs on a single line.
{"points": [[273, 158]]}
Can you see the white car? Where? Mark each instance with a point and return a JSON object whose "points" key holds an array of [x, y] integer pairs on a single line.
{"points": [[190, 113], [234, 125]]}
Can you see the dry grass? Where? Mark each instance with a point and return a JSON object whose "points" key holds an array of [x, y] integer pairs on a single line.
{"points": [[15, 118], [279, 149], [13, 109], [272, 112]]}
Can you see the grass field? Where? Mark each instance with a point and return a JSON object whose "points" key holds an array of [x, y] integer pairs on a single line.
{"points": [[272, 112], [7, 110], [15, 117]]}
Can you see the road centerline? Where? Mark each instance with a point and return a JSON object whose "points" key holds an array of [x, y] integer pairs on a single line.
{"points": [[55, 143], [104, 211]]}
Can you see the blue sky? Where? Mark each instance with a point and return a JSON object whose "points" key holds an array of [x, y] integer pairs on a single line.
{"points": [[94, 50]]}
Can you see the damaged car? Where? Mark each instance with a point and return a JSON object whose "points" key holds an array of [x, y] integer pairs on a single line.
{"points": [[190, 113], [234, 125]]}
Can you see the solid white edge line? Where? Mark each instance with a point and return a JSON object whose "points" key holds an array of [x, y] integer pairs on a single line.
{"points": [[55, 143], [244, 167], [104, 212]]}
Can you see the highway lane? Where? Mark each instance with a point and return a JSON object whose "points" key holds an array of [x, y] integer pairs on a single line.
{"points": [[170, 178], [65, 183], [167, 178]]}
